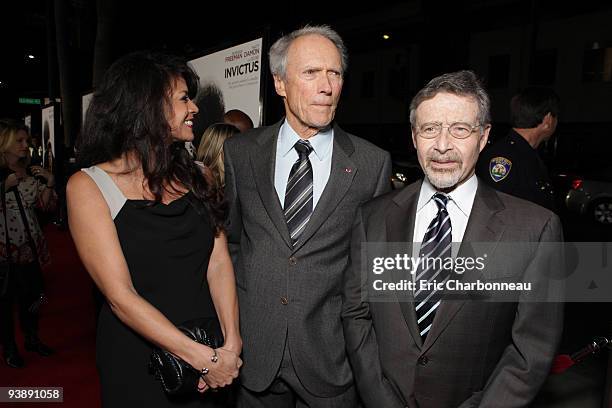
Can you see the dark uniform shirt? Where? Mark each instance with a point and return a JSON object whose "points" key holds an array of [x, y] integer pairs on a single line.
{"points": [[512, 166]]}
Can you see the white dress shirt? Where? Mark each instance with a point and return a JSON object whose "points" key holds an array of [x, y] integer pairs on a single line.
{"points": [[320, 159], [459, 208]]}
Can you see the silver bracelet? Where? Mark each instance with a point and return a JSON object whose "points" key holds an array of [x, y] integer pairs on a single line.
{"points": [[204, 372], [214, 357]]}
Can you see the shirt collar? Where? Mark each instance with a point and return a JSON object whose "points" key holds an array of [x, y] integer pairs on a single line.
{"points": [[462, 196], [321, 142]]}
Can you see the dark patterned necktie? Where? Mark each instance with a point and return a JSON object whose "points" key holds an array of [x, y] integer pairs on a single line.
{"points": [[436, 246], [298, 196]]}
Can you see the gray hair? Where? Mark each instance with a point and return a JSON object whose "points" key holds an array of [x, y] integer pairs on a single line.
{"points": [[460, 83], [279, 50]]}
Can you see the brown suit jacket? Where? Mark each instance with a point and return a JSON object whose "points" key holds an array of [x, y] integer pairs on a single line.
{"points": [[478, 353]]}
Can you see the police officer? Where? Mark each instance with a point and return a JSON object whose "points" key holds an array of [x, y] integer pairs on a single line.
{"points": [[512, 164]]}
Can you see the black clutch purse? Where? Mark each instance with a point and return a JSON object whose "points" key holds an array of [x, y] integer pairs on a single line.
{"points": [[178, 377]]}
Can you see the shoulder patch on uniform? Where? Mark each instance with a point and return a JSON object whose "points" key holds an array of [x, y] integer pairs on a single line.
{"points": [[499, 168]]}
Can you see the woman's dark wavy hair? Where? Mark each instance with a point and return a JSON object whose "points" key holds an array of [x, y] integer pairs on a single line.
{"points": [[129, 113]]}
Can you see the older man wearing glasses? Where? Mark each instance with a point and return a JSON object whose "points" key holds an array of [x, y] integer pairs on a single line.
{"points": [[428, 344]]}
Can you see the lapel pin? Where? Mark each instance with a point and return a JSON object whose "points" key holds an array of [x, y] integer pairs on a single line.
{"points": [[348, 170]]}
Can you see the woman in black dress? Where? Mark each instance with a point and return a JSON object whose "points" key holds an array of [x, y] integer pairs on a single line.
{"points": [[148, 226]]}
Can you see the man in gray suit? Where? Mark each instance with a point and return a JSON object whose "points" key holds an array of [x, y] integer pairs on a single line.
{"points": [[422, 347], [294, 188]]}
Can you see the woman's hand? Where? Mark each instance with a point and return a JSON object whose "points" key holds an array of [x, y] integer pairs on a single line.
{"points": [[221, 373], [225, 370]]}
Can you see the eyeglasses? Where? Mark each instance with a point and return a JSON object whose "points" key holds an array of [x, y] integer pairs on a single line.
{"points": [[458, 130]]}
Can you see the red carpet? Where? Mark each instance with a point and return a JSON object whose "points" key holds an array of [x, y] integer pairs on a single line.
{"points": [[67, 325]]}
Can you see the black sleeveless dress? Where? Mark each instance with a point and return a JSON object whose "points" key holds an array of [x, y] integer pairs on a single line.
{"points": [[167, 248]]}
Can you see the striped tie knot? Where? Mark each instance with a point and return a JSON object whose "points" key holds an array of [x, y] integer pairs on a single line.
{"points": [[441, 200], [303, 148]]}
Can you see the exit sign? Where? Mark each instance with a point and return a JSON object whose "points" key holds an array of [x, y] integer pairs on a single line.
{"points": [[29, 101]]}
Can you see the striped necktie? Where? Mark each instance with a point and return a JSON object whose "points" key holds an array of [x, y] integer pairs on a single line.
{"points": [[298, 196], [436, 246]]}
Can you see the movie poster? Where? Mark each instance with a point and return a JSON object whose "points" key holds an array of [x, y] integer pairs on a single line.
{"points": [[229, 79]]}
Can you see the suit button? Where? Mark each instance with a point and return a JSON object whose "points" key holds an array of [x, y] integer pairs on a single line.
{"points": [[284, 301], [292, 260], [423, 361]]}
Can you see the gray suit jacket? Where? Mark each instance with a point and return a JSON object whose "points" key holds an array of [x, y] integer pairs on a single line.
{"points": [[486, 354], [294, 294]]}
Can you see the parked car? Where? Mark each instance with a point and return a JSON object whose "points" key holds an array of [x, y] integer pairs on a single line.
{"points": [[591, 196]]}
